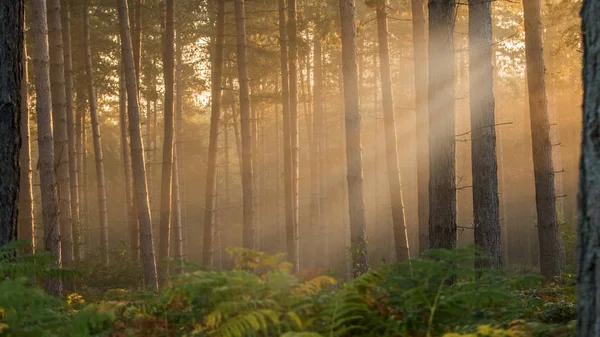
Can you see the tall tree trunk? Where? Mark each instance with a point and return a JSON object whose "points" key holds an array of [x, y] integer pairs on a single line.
{"points": [[316, 223], [291, 229], [176, 216], [132, 221], [247, 171], [26, 229], [442, 183], [486, 205], [179, 139], [255, 171], [167, 159], [393, 169], [52, 243], [320, 151], [137, 152], [542, 148], [59, 120], [137, 41], [102, 210], [12, 17], [356, 201], [588, 284], [82, 163], [294, 141], [73, 183], [420, 60], [215, 117]]}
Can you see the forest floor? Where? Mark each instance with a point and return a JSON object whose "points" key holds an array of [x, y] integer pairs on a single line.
{"points": [[440, 294]]}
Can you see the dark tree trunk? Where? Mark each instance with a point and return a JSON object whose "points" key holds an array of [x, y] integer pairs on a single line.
{"points": [[246, 135], [391, 153], [588, 283], [356, 201], [137, 40], [545, 195], [12, 14], [294, 141], [215, 116], [442, 184]]}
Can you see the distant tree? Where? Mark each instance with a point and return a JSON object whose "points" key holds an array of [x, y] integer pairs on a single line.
{"points": [[442, 180], [12, 14], [486, 206], [51, 244], [26, 229], [358, 235], [137, 152], [545, 195], [215, 116], [294, 141], [588, 284]]}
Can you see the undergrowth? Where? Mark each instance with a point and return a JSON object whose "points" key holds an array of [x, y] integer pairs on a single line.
{"points": [[439, 294]]}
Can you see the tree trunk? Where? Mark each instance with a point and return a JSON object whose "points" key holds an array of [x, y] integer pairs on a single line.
{"points": [[132, 221], [179, 140], [59, 120], [486, 205], [316, 223], [12, 14], [255, 172], [542, 148], [442, 183], [26, 229], [291, 229], [52, 243], [356, 201], [215, 116], [102, 210], [82, 163], [73, 183], [167, 158], [137, 153], [420, 60], [137, 41], [247, 171], [588, 284], [176, 216], [393, 169], [294, 141]]}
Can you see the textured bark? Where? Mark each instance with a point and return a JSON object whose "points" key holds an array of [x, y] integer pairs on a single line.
{"points": [[81, 147], [73, 183], [422, 129], [356, 201], [291, 230], [391, 150], [59, 123], [545, 195], [246, 136], [52, 244], [215, 116], [442, 180], [137, 153], [132, 221], [294, 141], [26, 226], [167, 156], [12, 15], [486, 206], [100, 180], [588, 283]]}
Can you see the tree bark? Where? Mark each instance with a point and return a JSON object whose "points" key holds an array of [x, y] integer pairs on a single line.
{"points": [[215, 117], [486, 205], [81, 147], [179, 139], [393, 168], [316, 164], [294, 141], [442, 183], [588, 284], [59, 121], [73, 183], [137, 40], [542, 148], [102, 209], [291, 229], [420, 61], [137, 152], [167, 158], [52, 243], [26, 226], [12, 15], [176, 216], [356, 201], [246, 135]]}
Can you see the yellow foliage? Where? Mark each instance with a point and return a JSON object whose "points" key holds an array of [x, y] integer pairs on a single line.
{"points": [[75, 298], [315, 285], [3, 326], [489, 331]]}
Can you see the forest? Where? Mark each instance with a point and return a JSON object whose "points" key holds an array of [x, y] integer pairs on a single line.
{"points": [[300, 168]]}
